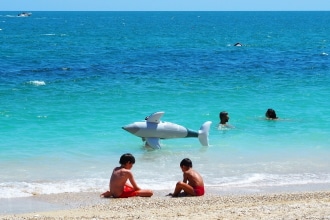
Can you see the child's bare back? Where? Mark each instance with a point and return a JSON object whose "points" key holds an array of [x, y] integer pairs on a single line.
{"points": [[118, 179], [193, 178]]}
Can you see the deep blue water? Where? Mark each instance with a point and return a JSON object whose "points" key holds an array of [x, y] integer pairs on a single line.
{"points": [[70, 80]]}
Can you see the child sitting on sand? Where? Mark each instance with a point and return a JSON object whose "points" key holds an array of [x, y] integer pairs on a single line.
{"points": [[122, 183], [192, 183]]}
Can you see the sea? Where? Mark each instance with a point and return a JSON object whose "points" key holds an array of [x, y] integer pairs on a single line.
{"points": [[69, 82]]}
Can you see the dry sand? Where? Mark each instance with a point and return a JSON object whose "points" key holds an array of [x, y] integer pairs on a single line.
{"points": [[313, 205]]}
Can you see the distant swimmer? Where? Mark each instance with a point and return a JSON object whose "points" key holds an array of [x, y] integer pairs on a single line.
{"points": [[224, 118], [238, 44], [271, 114]]}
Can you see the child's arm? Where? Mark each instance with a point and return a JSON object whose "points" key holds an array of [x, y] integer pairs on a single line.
{"points": [[185, 177], [132, 181]]}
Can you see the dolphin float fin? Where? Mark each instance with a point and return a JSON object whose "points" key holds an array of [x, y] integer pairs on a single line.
{"points": [[203, 133], [153, 142], [154, 117]]}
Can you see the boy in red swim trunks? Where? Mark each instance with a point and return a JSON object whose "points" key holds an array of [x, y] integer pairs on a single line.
{"points": [[122, 183], [192, 183]]}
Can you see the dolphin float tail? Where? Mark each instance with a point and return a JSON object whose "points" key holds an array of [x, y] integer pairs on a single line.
{"points": [[203, 133]]}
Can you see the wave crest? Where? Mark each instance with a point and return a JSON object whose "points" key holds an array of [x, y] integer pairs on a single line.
{"points": [[37, 83]]}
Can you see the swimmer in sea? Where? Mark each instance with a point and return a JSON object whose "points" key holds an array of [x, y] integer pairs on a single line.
{"points": [[224, 118], [271, 114]]}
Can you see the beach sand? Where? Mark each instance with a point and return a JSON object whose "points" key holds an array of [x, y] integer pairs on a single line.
{"points": [[302, 205]]}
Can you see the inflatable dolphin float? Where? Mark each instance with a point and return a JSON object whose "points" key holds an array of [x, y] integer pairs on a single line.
{"points": [[152, 130]]}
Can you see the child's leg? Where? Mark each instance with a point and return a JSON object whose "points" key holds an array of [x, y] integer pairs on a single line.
{"points": [[144, 193], [185, 187], [141, 192]]}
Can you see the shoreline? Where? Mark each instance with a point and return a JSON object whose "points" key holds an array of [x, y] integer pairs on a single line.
{"points": [[293, 205]]}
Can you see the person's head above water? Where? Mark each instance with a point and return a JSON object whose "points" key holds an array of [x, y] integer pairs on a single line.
{"points": [[270, 114], [224, 118]]}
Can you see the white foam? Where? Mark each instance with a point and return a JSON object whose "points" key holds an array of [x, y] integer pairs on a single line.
{"points": [[251, 181], [25, 189], [37, 83], [272, 180]]}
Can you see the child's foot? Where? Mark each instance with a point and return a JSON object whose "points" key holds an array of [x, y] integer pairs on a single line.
{"points": [[107, 194], [172, 195]]}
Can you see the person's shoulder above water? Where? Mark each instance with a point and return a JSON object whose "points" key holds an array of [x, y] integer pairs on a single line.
{"points": [[225, 127]]}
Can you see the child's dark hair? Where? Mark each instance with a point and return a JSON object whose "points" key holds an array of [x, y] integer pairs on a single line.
{"points": [[127, 158], [186, 162]]}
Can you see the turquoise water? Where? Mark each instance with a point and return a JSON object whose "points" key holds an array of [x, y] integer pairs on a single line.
{"points": [[70, 80]]}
